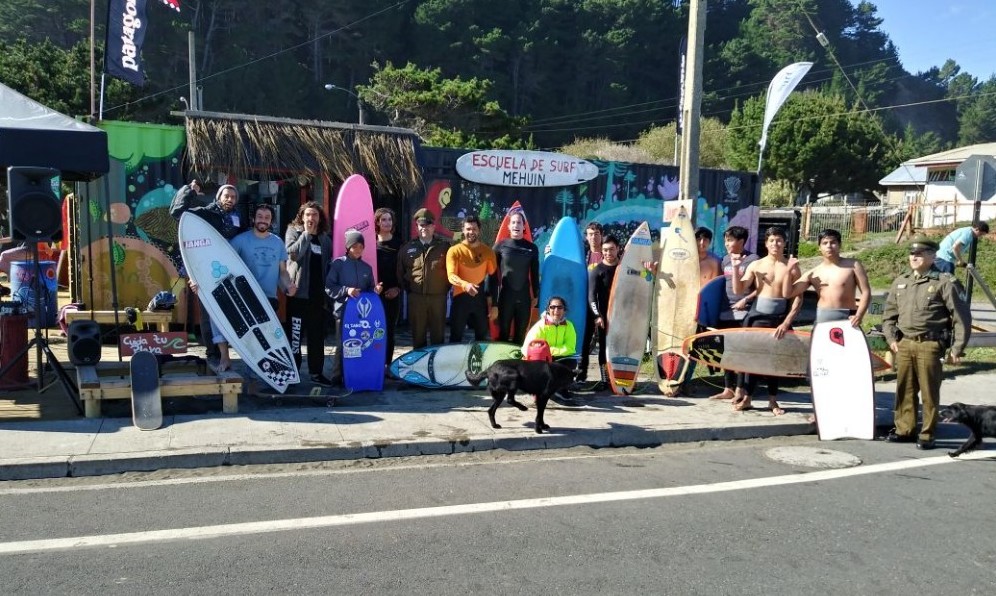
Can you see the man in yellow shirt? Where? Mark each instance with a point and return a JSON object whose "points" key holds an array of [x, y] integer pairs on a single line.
{"points": [[469, 264]]}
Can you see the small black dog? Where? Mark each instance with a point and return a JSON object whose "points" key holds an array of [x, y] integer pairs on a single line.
{"points": [[542, 379], [981, 420]]}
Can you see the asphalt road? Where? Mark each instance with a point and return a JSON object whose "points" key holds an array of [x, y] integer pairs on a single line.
{"points": [[715, 518]]}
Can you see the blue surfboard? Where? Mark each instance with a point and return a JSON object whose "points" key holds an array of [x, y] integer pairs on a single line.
{"points": [[364, 339], [712, 302], [564, 273]]}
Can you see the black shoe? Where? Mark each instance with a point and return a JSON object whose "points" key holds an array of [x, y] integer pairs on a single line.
{"points": [[892, 437], [925, 444], [600, 386], [321, 380]]}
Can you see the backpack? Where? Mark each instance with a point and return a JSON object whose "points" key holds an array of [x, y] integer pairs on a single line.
{"points": [[539, 349]]}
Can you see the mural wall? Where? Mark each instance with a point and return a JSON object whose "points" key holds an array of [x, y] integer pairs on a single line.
{"points": [[132, 202], [620, 198]]}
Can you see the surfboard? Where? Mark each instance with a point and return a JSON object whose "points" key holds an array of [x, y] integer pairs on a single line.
{"points": [[712, 302], [755, 350], [503, 234], [677, 287], [354, 211], [564, 273], [234, 300], [842, 382], [443, 366], [364, 339], [628, 316]]}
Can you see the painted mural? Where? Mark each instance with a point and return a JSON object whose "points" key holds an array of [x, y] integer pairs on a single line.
{"points": [[620, 198], [132, 201]]}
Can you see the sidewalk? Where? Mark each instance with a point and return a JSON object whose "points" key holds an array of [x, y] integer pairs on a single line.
{"points": [[404, 421]]}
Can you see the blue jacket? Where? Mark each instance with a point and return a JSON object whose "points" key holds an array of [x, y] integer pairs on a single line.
{"points": [[345, 273]]}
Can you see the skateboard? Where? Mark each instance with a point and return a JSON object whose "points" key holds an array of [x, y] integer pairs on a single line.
{"points": [[146, 402]]}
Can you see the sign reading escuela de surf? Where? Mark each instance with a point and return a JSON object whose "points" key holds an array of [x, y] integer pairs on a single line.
{"points": [[533, 169]]}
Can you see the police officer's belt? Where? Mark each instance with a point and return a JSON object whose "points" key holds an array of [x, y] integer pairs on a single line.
{"points": [[928, 336]]}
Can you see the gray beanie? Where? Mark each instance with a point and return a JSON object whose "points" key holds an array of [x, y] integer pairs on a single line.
{"points": [[221, 189], [354, 237]]}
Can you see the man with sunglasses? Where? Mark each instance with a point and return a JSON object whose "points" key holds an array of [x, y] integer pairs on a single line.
{"points": [[925, 312]]}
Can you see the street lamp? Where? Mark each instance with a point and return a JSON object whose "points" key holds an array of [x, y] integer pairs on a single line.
{"points": [[359, 102]]}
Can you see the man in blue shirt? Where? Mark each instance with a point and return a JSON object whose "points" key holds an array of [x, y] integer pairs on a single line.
{"points": [[952, 248]]}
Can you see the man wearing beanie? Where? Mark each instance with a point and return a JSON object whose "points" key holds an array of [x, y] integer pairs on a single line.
{"points": [[422, 273], [222, 215], [348, 276]]}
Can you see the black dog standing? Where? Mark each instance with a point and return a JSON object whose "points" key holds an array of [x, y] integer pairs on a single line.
{"points": [[925, 312], [537, 377]]}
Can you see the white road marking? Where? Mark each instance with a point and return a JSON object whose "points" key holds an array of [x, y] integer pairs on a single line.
{"points": [[307, 523]]}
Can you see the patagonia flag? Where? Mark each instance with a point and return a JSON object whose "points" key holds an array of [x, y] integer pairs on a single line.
{"points": [[778, 91], [125, 34]]}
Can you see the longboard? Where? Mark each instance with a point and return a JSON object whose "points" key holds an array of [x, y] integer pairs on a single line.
{"points": [[677, 299], [364, 340], [842, 382], [236, 303], [503, 233], [755, 350], [442, 366], [564, 273], [354, 211], [146, 400], [628, 315]]}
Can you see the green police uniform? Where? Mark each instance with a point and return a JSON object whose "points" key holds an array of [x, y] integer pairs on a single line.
{"points": [[422, 273], [923, 313]]}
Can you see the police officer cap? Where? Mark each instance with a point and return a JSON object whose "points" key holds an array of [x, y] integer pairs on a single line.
{"points": [[353, 237], [921, 242], [424, 216]]}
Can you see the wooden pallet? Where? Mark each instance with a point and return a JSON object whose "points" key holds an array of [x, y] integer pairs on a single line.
{"points": [[110, 380]]}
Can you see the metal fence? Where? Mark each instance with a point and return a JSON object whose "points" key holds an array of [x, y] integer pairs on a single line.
{"points": [[851, 221]]}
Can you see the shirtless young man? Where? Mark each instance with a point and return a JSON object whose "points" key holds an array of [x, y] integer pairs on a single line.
{"points": [[709, 264], [835, 281], [771, 309]]}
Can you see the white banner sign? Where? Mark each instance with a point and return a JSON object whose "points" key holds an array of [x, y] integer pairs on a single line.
{"points": [[778, 91], [531, 169]]}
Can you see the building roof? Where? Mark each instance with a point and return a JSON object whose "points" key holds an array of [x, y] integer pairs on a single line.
{"points": [[954, 157], [906, 174]]}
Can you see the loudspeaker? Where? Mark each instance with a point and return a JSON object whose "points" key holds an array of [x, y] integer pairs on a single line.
{"points": [[84, 342], [35, 211]]}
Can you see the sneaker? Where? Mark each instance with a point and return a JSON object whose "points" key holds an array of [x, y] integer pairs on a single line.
{"points": [[321, 380]]}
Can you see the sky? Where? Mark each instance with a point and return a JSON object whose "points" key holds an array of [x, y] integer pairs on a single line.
{"points": [[926, 33]]}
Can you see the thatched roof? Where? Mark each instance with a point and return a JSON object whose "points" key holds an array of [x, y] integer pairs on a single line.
{"points": [[244, 145]]}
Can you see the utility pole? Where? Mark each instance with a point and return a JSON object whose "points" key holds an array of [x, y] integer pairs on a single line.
{"points": [[192, 72], [689, 172]]}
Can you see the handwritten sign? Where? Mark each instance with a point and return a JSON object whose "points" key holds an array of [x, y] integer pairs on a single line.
{"points": [[160, 342], [525, 169]]}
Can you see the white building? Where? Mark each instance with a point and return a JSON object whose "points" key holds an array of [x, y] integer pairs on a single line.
{"points": [[944, 205]]}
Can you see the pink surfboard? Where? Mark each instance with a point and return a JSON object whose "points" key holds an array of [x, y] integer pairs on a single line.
{"points": [[354, 211]]}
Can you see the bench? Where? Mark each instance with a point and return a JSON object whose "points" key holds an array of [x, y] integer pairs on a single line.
{"points": [[111, 380], [160, 318]]}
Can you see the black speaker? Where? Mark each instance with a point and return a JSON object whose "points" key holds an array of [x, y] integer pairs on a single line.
{"points": [[35, 211], [84, 342]]}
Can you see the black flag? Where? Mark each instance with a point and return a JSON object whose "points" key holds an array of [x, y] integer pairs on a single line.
{"points": [[125, 34]]}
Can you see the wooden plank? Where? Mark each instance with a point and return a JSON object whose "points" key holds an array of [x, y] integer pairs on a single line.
{"points": [[161, 318]]}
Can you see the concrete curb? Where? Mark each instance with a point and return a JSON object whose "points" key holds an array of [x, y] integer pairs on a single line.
{"points": [[98, 464]]}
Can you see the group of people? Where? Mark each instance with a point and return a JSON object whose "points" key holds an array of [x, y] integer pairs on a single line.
{"points": [[925, 313]]}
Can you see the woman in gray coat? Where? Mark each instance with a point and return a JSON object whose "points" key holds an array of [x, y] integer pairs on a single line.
{"points": [[309, 251]]}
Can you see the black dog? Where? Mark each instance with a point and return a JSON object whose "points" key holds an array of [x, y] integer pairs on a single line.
{"points": [[542, 379], [981, 420]]}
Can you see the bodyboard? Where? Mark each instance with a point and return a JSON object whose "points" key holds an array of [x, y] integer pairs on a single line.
{"points": [[364, 340], [842, 382]]}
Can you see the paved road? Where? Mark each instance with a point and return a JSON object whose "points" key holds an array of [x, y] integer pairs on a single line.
{"points": [[717, 518]]}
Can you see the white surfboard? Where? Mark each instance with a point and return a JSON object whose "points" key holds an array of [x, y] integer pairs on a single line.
{"points": [[677, 299], [444, 366], [236, 303], [842, 384], [628, 315]]}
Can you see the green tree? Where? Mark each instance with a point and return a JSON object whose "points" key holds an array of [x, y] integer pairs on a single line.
{"points": [[977, 123], [816, 143], [659, 143], [444, 112]]}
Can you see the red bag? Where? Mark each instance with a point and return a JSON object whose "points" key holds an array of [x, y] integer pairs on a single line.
{"points": [[539, 350]]}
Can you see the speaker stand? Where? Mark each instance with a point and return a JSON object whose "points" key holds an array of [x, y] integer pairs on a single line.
{"points": [[40, 343]]}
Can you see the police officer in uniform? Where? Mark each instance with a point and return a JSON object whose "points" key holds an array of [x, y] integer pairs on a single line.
{"points": [[422, 273], [925, 312]]}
